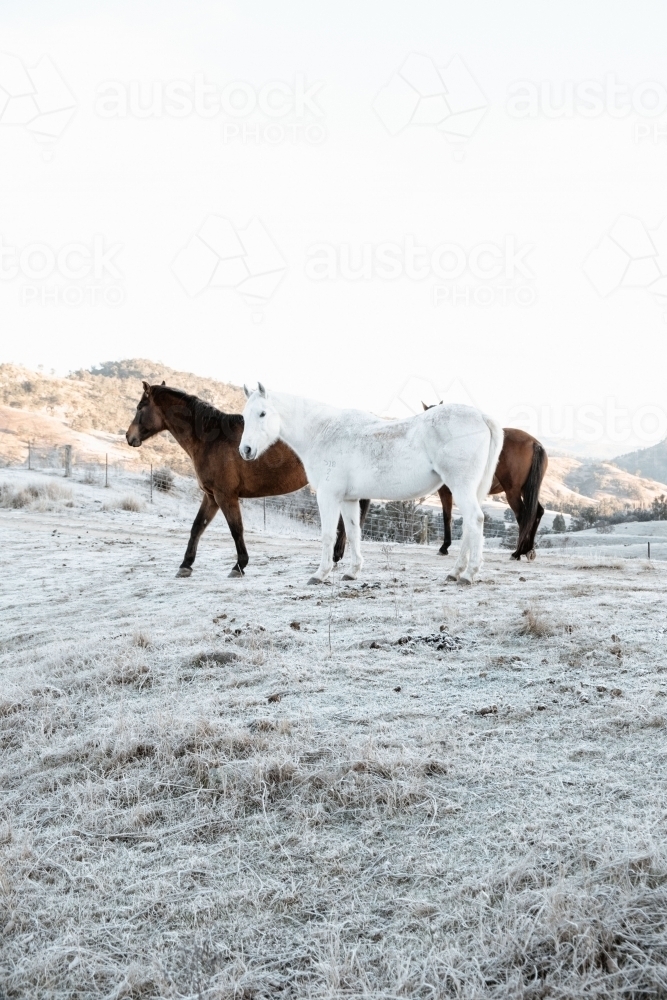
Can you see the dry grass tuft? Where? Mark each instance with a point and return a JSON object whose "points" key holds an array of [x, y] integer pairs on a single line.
{"points": [[213, 658], [535, 624], [138, 674], [600, 563], [131, 503], [38, 496]]}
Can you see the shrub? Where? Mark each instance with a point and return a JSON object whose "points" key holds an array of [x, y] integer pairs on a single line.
{"points": [[163, 479], [493, 528], [659, 508], [511, 537], [131, 503], [44, 494]]}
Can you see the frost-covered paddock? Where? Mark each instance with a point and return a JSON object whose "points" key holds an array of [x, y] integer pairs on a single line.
{"points": [[255, 788]]}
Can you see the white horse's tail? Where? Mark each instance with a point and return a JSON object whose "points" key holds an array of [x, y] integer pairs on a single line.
{"points": [[495, 447]]}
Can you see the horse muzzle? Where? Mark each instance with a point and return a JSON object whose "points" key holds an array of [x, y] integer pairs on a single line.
{"points": [[133, 439], [247, 452]]}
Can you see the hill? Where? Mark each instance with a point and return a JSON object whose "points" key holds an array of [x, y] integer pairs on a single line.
{"points": [[92, 409], [646, 462], [572, 480]]}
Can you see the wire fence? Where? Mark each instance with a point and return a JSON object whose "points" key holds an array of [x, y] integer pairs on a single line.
{"points": [[409, 522], [402, 522], [70, 462], [93, 469]]}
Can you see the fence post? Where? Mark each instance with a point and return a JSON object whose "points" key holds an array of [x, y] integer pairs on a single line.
{"points": [[151, 482], [265, 515], [29, 456], [68, 461], [106, 470], [649, 549]]}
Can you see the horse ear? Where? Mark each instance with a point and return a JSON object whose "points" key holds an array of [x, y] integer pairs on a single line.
{"points": [[261, 389], [163, 382], [424, 405], [246, 390], [147, 388], [440, 403]]}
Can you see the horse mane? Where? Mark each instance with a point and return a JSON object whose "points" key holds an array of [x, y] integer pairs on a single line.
{"points": [[206, 416]]}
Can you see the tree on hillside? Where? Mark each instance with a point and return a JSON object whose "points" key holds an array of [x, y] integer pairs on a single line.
{"points": [[558, 523], [659, 508]]}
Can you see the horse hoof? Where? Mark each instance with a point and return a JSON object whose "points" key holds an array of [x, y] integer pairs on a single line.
{"points": [[315, 579], [184, 571], [236, 572], [515, 556], [464, 581], [531, 555], [452, 578], [348, 576], [443, 552]]}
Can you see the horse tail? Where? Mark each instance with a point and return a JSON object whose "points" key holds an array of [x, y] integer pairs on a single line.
{"points": [[495, 447], [530, 508]]}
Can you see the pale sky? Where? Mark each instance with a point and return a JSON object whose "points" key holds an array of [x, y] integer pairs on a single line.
{"points": [[345, 163]]}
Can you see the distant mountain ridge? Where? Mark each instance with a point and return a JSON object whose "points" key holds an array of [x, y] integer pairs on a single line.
{"points": [[650, 462], [575, 481]]}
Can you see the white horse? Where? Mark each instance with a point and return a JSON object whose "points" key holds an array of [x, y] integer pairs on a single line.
{"points": [[349, 454]]}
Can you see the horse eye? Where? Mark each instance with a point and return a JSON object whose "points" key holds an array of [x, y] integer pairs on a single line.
{"points": [[263, 413]]}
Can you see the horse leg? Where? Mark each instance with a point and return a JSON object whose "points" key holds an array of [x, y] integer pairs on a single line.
{"points": [[329, 513], [446, 500], [352, 518], [364, 507], [472, 542], [516, 503], [231, 508], [530, 554], [464, 548], [341, 538], [472, 513], [205, 515]]}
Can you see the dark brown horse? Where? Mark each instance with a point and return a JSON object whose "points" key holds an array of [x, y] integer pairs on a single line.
{"points": [[211, 439], [519, 474]]}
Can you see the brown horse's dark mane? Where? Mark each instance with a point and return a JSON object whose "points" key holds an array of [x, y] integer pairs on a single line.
{"points": [[205, 416]]}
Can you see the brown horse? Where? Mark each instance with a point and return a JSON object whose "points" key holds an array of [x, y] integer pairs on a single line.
{"points": [[211, 439], [521, 467]]}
